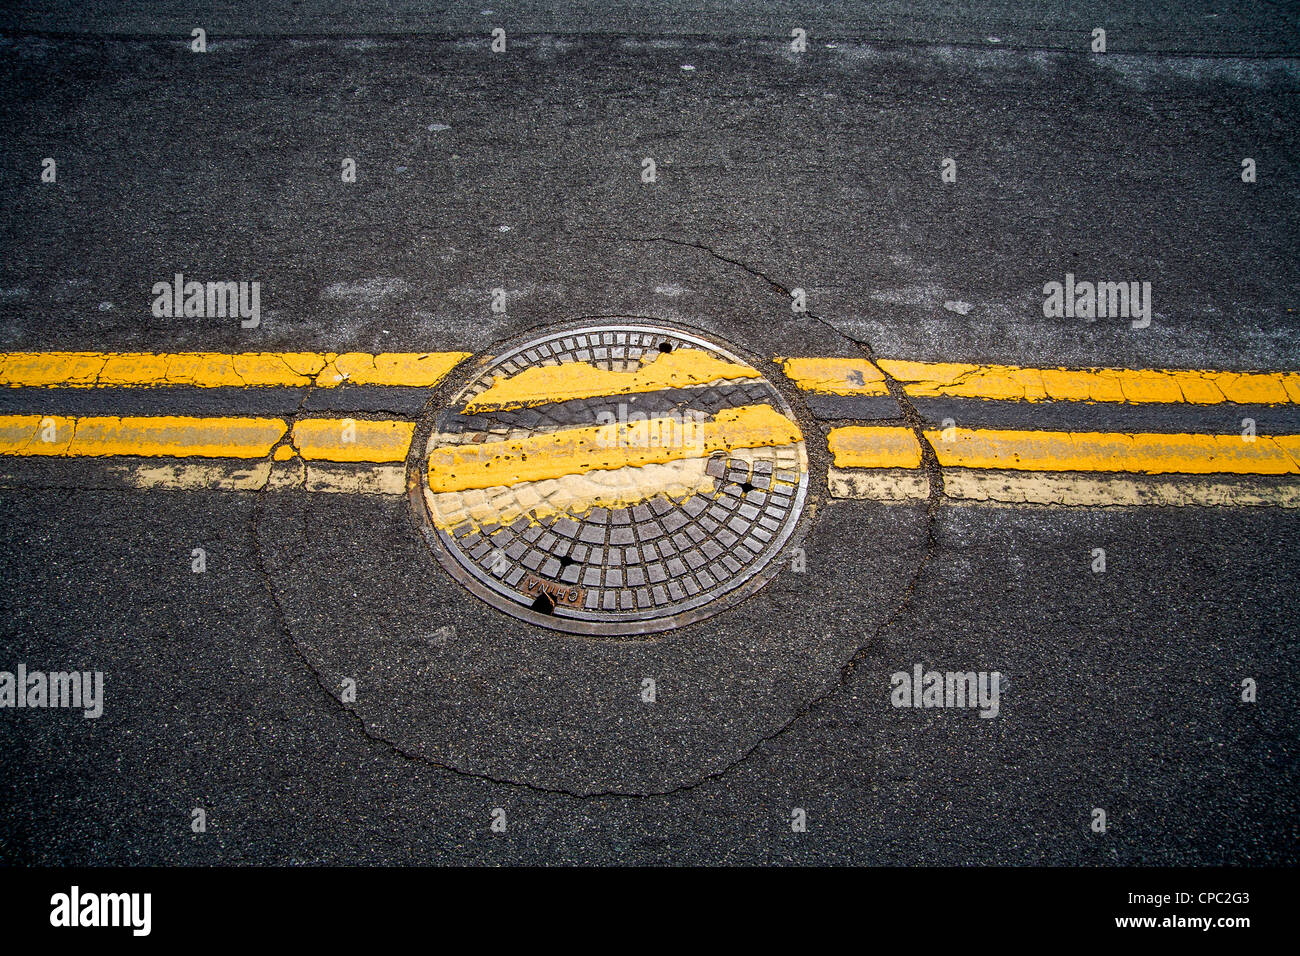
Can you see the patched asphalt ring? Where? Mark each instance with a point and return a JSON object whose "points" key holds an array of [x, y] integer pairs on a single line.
{"points": [[514, 701], [443, 677], [1124, 693]]}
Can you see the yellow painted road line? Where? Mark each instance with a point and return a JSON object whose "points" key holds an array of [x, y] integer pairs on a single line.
{"points": [[858, 376], [169, 436], [835, 376], [315, 439], [219, 370], [334, 439], [539, 384], [412, 369], [1138, 386], [1113, 451], [682, 368], [281, 476], [1149, 453], [576, 451], [857, 446]]}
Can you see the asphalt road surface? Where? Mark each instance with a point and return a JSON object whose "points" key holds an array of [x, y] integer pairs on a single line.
{"points": [[471, 736]]}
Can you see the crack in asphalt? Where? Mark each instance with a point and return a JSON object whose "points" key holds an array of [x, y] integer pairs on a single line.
{"points": [[929, 463], [911, 417], [322, 681]]}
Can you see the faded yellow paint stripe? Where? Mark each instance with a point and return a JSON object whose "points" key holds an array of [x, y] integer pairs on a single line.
{"points": [[169, 436], [1009, 488], [220, 370], [222, 475], [346, 439], [576, 451], [539, 384], [1147, 453]]}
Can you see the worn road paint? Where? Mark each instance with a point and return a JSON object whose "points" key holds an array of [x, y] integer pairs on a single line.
{"points": [[832, 376], [577, 451], [185, 476], [169, 436], [859, 446], [218, 370], [154, 475], [345, 439], [835, 376], [858, 376], [1150, 453], [1137, 386], [1065, 489], [537, 384], [411, 369], [341, 479], [573, 470], [879, 484], [578, 494], [317, 439], [570, 494]]}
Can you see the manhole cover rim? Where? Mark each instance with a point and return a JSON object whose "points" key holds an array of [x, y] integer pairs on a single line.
{"points": [[632, 623]]}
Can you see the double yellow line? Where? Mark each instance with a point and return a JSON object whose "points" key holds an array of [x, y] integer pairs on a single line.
{"points": [[866, 461], [1053, 466], [237, 453], [221, 370], [855, 376]]}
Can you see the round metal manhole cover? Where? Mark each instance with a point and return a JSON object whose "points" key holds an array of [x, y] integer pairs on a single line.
{"points": [[618, 479]]}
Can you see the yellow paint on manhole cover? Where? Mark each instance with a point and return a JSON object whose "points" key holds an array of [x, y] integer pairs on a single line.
{"points": [[618, 479]]}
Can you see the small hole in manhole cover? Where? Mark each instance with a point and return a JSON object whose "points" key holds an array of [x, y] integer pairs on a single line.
{"points": [[616, 479]]}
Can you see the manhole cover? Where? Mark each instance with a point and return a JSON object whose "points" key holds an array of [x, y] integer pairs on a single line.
{"points": [[617, 479]]}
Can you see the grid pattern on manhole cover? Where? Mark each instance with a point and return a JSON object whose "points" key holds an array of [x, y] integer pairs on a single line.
{"points": [[614, 480]]}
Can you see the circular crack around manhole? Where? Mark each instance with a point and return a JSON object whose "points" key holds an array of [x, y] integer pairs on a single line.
{"points": [[614, 479]]}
